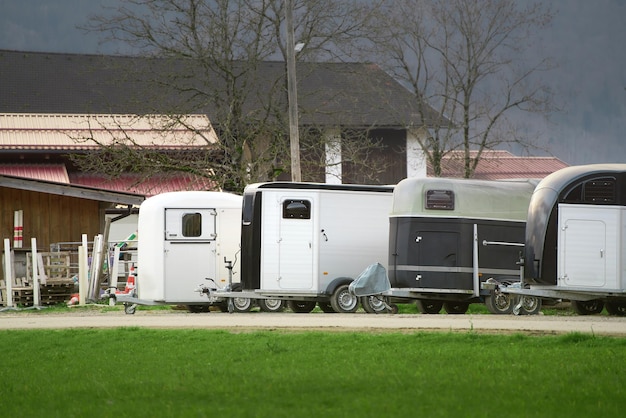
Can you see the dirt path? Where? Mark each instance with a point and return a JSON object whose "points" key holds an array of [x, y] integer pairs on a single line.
{"points": [[538, 324]]}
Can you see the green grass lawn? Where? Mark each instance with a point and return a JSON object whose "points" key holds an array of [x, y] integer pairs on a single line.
{"points": [[205, 373]]}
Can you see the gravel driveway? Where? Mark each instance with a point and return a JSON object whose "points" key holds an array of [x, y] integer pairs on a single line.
{"points": [[536, 324]]}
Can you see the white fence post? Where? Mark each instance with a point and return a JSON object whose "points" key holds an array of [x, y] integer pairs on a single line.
{"points": [[82, 274], [35, 265], [83, 281], [8, 272]]}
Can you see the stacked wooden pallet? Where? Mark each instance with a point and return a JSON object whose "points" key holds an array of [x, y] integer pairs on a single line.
{"points": [[55, 291], [57, 282]]}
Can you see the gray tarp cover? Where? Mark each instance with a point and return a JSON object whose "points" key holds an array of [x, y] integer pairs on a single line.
{"points": [[372, 281]]}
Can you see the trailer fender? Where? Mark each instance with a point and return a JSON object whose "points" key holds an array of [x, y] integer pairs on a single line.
{"points": [[339, 281]]}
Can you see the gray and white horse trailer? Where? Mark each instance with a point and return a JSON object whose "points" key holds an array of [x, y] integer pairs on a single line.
{"points": [[449, 235], [183, 240], [306, 242], [576, 239]]}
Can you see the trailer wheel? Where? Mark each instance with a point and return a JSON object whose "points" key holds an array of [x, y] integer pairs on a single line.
{"points": [[130, 308], [326, 307], [373, 304], [271, 305], [427, 306], [239, 304], [343, 301], [499, 303], [455, 308], [242, 304], [530, 305], [587, 307], [301, 306], [617, 308]]}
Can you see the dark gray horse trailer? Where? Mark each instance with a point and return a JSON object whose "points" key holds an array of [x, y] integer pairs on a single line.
{"points": [[576, 238], [447, 236]]}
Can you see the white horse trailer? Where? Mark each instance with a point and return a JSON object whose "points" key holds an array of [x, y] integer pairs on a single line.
{"points": [[576, 239], [184, 239], [306, 242]]}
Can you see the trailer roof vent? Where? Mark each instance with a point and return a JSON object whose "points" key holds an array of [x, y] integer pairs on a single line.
{"points": [[601, 190], [440, 199], [597, 191]]}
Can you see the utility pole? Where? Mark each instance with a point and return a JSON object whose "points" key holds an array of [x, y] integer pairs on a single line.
{"points": [[292, 95]]}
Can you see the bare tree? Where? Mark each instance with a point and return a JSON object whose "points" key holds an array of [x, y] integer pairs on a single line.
{"points": [[215, 50], [465, 59]]}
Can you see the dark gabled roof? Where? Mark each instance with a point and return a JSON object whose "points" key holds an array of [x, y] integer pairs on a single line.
{"points": [[340, 94]]}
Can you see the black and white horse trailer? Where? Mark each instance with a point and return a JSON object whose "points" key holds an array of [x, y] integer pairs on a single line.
{"points": [[575, 244], [448, 236]]}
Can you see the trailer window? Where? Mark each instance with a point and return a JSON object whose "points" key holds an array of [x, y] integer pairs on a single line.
{"points": [[248, 208], [192, 225], [296, 209], [440, 199], [597, 191]]}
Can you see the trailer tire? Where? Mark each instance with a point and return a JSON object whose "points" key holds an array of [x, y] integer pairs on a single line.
{"points": [[343, 301], [587, 307], [373, 304], [617, 308], [427, 306], [130, 308], [499, 303], [455, 308], [326, 307], [530, 305], [271, 305], [240, 304], [301, 306]]}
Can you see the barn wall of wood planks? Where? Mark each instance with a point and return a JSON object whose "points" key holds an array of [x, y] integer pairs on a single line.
{"points": [[50, 218]]}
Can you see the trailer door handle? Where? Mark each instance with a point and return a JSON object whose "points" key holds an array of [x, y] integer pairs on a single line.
{"points": [[602, 253]]}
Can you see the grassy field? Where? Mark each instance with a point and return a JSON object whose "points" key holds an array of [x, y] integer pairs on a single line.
{"points": [[201, 373]]}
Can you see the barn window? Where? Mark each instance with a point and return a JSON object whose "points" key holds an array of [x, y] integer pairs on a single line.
{"points": [[192, 225], [296, 209], [440, 199]]}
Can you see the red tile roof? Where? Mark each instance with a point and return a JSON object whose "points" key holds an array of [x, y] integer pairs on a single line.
{"points": [[495, 164], [48, 172], [127, 183], [135, 183], [78, 132]]}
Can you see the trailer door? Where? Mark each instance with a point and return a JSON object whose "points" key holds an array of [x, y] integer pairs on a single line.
{"points": [[288, 246], [190, 254], [436, 258], [583, 251]]}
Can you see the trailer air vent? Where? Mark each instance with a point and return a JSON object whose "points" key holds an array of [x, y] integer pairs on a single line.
{"points": [[296, 209], [596, 191], [440, 199], [600, 190]]}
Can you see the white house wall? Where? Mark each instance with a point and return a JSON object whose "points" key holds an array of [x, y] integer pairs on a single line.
{"points": [[415, 157], [333, 156]]}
